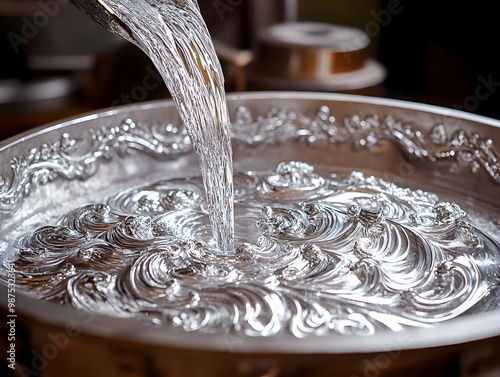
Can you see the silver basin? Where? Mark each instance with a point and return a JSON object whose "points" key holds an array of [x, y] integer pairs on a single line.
{"points": [[59, 340]]}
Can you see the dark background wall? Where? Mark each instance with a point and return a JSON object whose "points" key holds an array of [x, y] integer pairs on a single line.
{"points": [[439, 52]]}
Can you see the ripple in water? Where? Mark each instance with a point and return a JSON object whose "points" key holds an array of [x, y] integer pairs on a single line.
{"points": [[316, 254]]}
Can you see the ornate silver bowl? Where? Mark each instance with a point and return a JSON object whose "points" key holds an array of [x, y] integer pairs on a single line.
{"points": [[47, 173]]}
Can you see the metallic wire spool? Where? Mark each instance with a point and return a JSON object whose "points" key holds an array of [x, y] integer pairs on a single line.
{"points": [[314, 56]]}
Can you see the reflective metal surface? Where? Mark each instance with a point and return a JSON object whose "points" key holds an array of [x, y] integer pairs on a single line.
{"points": [[439, 150]]}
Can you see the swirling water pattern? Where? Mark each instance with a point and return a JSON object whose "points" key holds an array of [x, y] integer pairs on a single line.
{"points": [[316, 254]]}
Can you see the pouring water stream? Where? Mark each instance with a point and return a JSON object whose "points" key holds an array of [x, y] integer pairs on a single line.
{"points": [[174, 36]]}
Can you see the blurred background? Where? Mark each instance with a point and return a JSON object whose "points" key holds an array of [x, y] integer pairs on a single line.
{"points": [[55, 62]]}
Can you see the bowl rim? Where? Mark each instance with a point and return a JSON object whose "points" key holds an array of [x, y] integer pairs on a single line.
{"points": [[249, 96]]}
